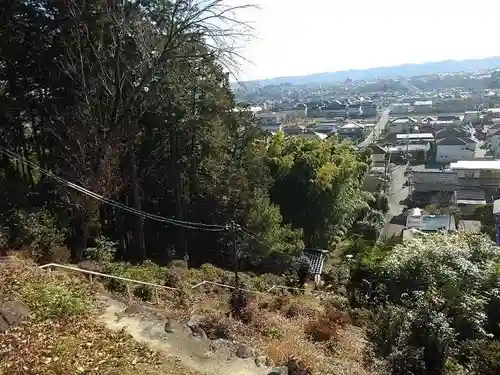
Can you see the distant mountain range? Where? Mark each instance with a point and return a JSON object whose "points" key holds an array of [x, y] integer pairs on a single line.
{"points": [[405, 70]]}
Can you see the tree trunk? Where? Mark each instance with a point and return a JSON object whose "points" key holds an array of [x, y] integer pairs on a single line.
{"points": [[79, 234], [181, 247], [138, 229]]}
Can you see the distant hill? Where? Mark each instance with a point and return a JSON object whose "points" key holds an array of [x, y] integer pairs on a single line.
{"points": [[405, 70]]}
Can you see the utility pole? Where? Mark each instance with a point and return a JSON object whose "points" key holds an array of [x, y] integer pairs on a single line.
{"points": [[235, 254]]}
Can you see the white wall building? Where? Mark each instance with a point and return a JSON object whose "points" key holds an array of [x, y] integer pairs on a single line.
{"points": [[454, 149], [422, 106], [471, 116], [401, 125]]}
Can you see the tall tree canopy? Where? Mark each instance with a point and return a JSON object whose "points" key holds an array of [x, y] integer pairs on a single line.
{"points": [[318, 186], [131, 100]]}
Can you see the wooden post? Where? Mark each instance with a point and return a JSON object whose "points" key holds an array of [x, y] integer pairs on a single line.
{"points": [[90, 278], [129, 294], [157, 298]]}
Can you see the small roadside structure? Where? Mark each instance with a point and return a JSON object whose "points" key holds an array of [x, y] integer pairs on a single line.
{"points": [[317, 259]]}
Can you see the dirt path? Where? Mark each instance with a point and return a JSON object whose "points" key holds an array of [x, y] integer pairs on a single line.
{"points": [[193, 352]]}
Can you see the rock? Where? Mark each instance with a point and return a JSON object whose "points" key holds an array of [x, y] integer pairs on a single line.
{"points": [[135, 308], [244, 351], [3, 325], [269, 362], [12, 314], [199, 332], [260, 361], [219, 344], [168, 326], [283, 370], [194, 321]]}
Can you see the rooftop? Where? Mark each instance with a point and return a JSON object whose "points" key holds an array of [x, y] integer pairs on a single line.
{"points": [[476, 164], [452, 141], [410, 147], [415, 136], [317, 259], [431, 222]]}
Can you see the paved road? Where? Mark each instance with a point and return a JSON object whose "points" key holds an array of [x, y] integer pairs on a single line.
{"points": [[377, 129], [397, 193]]}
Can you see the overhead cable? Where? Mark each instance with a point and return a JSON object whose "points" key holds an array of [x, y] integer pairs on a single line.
{"points": [[111, 202]]}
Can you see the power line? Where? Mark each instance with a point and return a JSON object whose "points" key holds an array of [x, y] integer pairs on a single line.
{"points": [[111, 202], [252, 235]]}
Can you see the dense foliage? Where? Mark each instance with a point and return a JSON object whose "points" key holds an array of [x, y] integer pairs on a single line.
{"points": [[133, 102], [435, 302]]}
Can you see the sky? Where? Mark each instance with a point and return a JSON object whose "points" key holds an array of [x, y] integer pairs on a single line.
{"points": [[297, 37]]}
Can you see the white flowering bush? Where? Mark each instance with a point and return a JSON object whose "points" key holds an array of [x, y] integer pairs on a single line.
{"points": [[442, 292]]}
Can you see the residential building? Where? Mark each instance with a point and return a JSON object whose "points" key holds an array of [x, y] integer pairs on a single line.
{"points": [[471, 116], [354, 110], [333, 109], [428, 120], [468, 199], [452, 149], [378, 154], [494, 140], [457, 120], [369, 109], [492, 113], [414, 138], [269, 119], [433, 180], [401, 125], [478, 174], [302, 132], [401, 108], [325, 128], [422, 106], [492, 129], [450, 105], [351, 130], [452, 132], [413, 151]]}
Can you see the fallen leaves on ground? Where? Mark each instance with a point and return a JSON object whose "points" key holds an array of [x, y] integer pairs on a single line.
{"points": [[61, 338]]}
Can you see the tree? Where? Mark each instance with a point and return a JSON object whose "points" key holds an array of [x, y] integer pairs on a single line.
{"points": [[132, 101], [317, 186]]}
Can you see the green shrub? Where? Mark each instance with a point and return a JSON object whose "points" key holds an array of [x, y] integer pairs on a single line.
{"points": [[211, 273], [39, 232], [172, 278], [272, 332], [52, 300], [144, 292], [116, 269], [104, 251], [485, 357], [178, 263]]}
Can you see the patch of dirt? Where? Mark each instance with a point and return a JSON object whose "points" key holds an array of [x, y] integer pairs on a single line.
{"points": [[197, 353], [12, 314]]}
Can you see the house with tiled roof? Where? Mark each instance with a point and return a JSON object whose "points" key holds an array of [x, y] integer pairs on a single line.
{"points": [[452, 149]]}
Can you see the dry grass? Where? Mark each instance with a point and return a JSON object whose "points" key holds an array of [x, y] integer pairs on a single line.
{"points": [[62, 336], [279, 327], [282, 328]]}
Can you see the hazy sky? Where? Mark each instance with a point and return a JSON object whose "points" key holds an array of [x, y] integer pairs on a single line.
{"points": [[295, 37]]}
